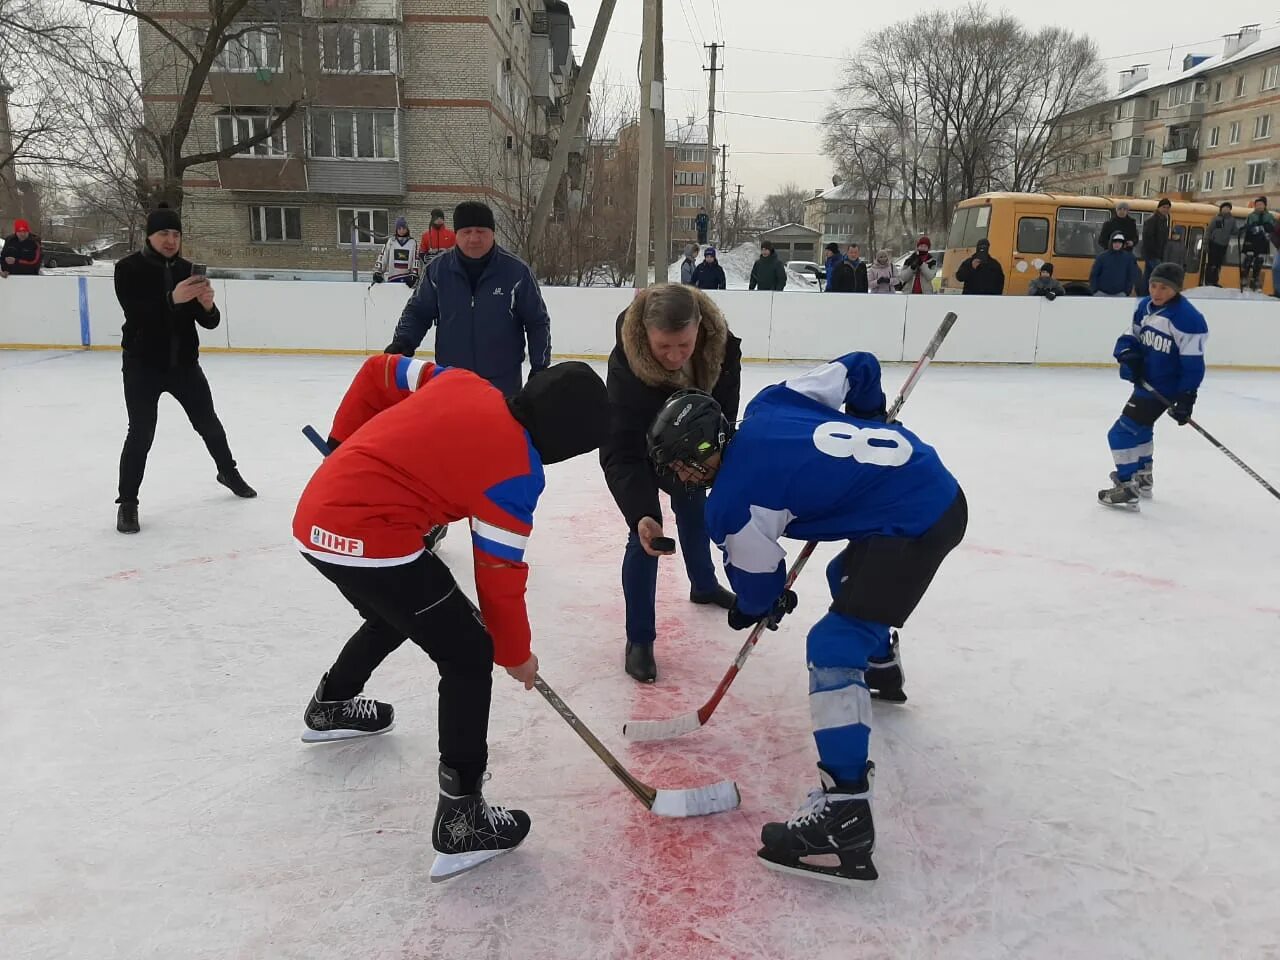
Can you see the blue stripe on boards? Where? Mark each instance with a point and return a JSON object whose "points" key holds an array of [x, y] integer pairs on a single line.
{"points": [[82, 283]]}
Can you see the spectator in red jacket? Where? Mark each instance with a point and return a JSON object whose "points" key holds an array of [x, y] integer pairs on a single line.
{"points": [[437, 239], [21, 254]]}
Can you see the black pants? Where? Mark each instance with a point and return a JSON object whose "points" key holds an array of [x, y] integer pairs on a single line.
{"points": [[143, 386], [1217, 256], [886, 577], [421, 601]]}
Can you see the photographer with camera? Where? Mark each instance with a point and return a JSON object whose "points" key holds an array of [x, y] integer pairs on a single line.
{"points": [[918, 270]]}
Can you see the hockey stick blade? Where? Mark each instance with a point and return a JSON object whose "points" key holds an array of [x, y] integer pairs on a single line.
{"points": [[644, 731]]}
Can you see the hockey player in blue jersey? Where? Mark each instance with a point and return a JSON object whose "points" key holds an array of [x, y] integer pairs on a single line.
{"points": [[799, 466], [1165, 349]]}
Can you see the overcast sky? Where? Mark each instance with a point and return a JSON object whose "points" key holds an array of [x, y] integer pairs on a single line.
{"points": [[796, 47]]}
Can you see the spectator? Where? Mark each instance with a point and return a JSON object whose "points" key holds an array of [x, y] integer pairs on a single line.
{"points": [[670, 338], [486, 303], [21, 254], [162, 302], [397, 259], [1115, 273], [437, 239], [1120, 222], [881, 276], [1218, 236], [1155, 238], [1255, 243], [854, 258], [709, 275], [982, 274], [1045, 285], [767, 273], [833, 259], [689, 264], [702, 223], [918, 269]]}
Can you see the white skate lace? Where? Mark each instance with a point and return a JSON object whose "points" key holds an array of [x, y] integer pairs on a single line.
{"points": [[360, 708], [813, 808], [498, 816]]}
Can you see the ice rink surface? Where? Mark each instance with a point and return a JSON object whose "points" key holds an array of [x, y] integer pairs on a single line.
{"points": [[1087, 767]]}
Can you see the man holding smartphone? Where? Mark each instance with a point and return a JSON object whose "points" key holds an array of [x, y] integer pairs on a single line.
{"points": [[163, 297]]}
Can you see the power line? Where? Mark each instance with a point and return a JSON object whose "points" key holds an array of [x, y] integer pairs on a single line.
{"points": [[684, 12]]}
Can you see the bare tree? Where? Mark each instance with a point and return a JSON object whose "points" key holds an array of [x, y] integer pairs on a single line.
{"points": [[867, 158], [785, 205]]}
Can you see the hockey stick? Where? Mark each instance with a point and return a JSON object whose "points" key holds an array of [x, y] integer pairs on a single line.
{"points": [[1215, 441], [644, 730], [691, 802]]}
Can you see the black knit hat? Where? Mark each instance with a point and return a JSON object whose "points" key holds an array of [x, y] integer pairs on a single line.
{"points": [[1047, 267], [565, 408], [833, 247], [473, 213], [1169, 273], [163, 218], [437, 214]]}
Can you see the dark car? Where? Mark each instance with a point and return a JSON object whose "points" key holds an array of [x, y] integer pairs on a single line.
{"points": [[63, 255]]}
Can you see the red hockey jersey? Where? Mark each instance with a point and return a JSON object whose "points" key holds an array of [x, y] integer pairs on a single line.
{"points": [[422, 445]]}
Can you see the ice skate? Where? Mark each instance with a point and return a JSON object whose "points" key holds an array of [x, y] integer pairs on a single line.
{"points": [[468, 831], [834, 821], [1146, 482], [1123, 494], [344, 719], [434, 536], [884, 678]]}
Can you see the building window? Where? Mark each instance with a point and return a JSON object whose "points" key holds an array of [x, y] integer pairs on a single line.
{"points": [[1271, 78], [236, 128], [1262, 127], [1126, 188], [258, 48], [688, 199], [1180, 94], [1126, 148], [691, 155], [1240, 86], [1213, 137], [1208, 179], [275, 224], [371, 226], [357, 48], [1146, 188], [1186, 182], [354, 134], [1151, 148], [1228, 178], [1257, 172], [1234, 132], [1153, 108], [687, 178], [1097, 158], [1164, 185], [1217, 92]]}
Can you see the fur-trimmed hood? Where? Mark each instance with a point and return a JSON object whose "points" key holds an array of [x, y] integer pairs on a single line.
{"points": [[708, 356]]}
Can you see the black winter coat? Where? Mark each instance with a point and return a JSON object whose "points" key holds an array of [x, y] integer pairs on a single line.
{"points": [[639, 386], [1127, 226], [987, 279], [709, 276], [26, 254], [156, 331], [849, 277], [768, 273], [1155, 237]]}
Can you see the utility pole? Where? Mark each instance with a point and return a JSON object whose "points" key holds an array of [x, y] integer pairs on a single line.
{"points": [[662, 185], [709, 189], [644, 175], [724, 168], [737, 223]]}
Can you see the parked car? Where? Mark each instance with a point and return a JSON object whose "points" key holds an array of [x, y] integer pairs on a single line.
{"points": [[810, 271], [63, 255]]}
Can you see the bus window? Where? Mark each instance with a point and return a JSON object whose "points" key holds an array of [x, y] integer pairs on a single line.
{"points": [[976, 227], [958, 224], [1033, 235], [1076, 233], [1195, 249]]}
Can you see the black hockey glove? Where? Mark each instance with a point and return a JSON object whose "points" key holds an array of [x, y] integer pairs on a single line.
{"points": [[781, 607], [412, 281], [1181, 409], [397, 346], [377, 278], [1131, 360]]}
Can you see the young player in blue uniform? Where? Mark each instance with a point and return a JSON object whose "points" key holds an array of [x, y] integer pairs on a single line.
{"points": [[1165, 348], [800, 467]]}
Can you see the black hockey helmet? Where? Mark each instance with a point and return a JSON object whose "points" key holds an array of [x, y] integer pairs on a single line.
{"points": [[689, 428]]}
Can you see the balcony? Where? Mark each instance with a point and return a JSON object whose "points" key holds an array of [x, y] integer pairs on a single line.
{"points": [[1175, 154], [1123, 166], [384, 10], [1192, 110], [275, 174], [372, 178], [1124, 129]]}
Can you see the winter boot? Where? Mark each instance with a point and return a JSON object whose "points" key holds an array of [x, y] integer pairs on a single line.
{"points": [[1146, 482], [127, 518], [640, 663], [836, 819], [232, 480], [719, 596], [1123, 494], [343, 719], [468, 831], [884, 678]]}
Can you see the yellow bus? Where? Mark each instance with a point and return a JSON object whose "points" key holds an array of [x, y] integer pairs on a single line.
{"points": [[1026, 229]]}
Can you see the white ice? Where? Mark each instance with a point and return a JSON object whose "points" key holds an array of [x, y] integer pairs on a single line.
{"points": [[1087, 767]]}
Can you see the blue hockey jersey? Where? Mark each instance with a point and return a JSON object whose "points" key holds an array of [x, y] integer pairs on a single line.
{"points": [[1172, 340], [799, 467]]}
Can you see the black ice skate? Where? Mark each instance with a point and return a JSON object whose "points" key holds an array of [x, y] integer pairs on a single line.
{"points": [[344, 719], [884, 678], [1146, 481], [468, 831], [434, 536], [835, 820], [1123, 494]]}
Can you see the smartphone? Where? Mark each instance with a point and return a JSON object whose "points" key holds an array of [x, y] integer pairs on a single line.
{"points": [[663, 544], [199, 269]]}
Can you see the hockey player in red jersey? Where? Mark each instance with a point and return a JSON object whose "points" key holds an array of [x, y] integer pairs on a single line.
{"points": [[420, 445]]}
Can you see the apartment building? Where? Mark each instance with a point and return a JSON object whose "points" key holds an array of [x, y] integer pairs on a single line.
{"points": [[398, 106], [1206, 131], [841, 215], [19, 199]]}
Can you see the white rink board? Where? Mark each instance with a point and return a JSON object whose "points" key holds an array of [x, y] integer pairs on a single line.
{"points": [[987, 330], [822, 327], [35, 311]]}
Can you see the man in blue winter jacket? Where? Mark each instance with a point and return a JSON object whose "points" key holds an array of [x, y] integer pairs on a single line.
{"points": [[485, 303], [1115, 273], [1164, 350]]}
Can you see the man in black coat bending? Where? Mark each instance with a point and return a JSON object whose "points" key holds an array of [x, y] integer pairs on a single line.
{"points": [[162, 302], [672, 337]]}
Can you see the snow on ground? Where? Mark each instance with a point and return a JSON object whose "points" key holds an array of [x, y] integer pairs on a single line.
{"points": [[1086, 767], [737, 263]]}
